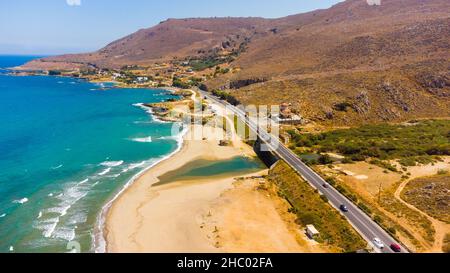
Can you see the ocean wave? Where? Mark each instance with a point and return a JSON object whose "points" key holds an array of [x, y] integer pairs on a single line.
{"points": [[47, 226], [111, 163], [178, 137], [77, 218], [145, 108], [134, 166], [84, 181], [64, 233], [150, 111], [114, 175], [175, 138], [71, 195], [58, 167], [143, 140], [104, 172], [61, 210], [98, 239], [21, 201]]}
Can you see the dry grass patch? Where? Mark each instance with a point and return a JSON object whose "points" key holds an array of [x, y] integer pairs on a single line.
{"points": [[310, 208], [431, 195]]}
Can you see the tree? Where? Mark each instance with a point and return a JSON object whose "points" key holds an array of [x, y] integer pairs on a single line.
{"points": [[325, 159]]}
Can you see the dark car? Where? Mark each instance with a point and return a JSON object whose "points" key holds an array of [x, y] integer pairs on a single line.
{"points": [[396, 248], [344, 208], [325, 185]]}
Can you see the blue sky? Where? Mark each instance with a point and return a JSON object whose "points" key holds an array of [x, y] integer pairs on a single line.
{"points": [[69, 26]]}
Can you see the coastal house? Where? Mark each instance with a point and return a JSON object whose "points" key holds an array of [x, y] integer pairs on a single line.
{"points": [[116, 76], [141, 79], [286, 116]]}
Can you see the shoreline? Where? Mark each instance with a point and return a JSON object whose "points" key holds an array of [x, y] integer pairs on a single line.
{"points": [[99, 242], [14, 72], [115, 236], [144, 182]]}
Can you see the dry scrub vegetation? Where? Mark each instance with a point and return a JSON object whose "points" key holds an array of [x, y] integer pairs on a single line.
{"points": [[431, 195], [311, 208]]}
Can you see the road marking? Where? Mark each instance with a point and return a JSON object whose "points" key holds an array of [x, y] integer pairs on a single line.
{"points": [[313, 178]]}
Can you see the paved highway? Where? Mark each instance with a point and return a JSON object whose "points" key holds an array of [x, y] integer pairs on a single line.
{"points": [[359, 220]]}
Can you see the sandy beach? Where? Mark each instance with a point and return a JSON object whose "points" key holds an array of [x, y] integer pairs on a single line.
{"points": [[202, 214], [159, 219]]}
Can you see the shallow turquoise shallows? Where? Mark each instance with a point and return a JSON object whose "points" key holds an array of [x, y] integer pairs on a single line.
{"points": [[67, 147]]}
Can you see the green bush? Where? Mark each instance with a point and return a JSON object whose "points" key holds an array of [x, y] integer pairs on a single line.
{"points": [[421, 142], [325, 160], [178, 83], [226, 96], [378, 219], [392, 230]]}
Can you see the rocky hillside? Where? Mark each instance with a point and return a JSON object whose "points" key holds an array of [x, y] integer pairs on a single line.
{"points": [[171, 39], [352, 63]]}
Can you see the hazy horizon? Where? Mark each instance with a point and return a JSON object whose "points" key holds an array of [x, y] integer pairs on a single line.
{"points": [[52, 27]]}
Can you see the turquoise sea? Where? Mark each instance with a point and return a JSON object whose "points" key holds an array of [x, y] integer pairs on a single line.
{"points": [[67, 147]]}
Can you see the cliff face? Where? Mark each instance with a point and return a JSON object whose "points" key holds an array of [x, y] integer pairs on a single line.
{"points": [[387, 63]]}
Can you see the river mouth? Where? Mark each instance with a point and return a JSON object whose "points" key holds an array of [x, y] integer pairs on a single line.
{"points": [[202, 169]]}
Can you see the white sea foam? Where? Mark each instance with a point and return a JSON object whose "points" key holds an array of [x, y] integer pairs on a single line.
{"points": [[50, 195], [169, 138], [71, 195], [62, 210], [77, 218], [143, 140], [58, 167], [47, 226], [111, 163], [142, 106], [39, 215], [21, 201], [98, 239], [84, 181], [149, 111], [114, 175], [104, 172], [64, 233], [133, 166]]}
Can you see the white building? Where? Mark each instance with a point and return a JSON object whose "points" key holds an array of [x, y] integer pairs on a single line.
{"points": [[311, 231]]}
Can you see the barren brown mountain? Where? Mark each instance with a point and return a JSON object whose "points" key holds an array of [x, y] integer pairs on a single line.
{"points": [[351, 63]]}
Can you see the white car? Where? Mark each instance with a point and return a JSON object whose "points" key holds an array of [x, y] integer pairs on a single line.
{"points": [[378, 243]]}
